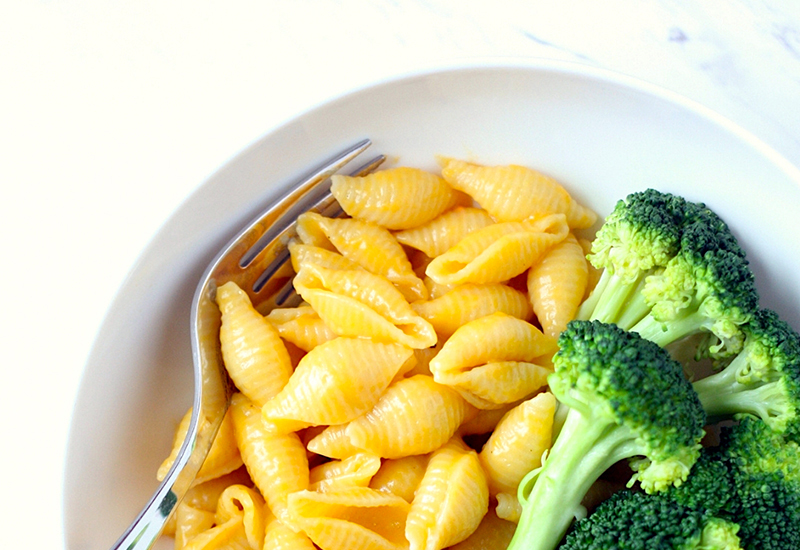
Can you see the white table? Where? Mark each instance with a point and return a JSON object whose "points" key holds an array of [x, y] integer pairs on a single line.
{"points": [[113, 113]]}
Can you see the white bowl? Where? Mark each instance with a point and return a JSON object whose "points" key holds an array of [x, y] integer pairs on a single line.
{"points": [[602, 135]]}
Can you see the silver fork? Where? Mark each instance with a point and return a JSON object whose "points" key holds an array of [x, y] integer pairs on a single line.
{"points": [[257, 260]]}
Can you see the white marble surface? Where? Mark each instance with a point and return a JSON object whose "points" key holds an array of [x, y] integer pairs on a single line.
{"points": [[113, 113]]}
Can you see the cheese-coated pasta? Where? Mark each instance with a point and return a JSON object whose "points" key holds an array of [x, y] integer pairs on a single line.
{"points": [[196, 512], [301, 326], [396, 198], [239, 522], [361, 304], [414, 416], [498, 252], [417, 329], [252, 350], [354, 471], [493, 533], [279, 536], [557, 285], [444, 232], [518, 442], [277, 463], [369, 245], [333, 442], [350, 518], [222, 458], [508, 507], [400, 476], [336, 382], [302, 254], [493, 360], [451, 500], [190, 521], [512, 193], [485, 420], [470, 301]]}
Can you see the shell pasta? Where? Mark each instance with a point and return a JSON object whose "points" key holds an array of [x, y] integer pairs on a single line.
{"points": [[400, 403]]}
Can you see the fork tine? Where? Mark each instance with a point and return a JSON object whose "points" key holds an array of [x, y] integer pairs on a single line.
{"points": [[261, 230], [276, 252]]}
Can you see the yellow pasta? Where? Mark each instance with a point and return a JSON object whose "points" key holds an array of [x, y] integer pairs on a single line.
{"points": [[279, 536], [498, 252], [354, 471], [400, 476], [350, 518], [369, 245], [414, 416], [361, 304], [416, 331], [336, 382], [277, 463], [301, 326], [397, 198], [444, 232], [222, 458], [451, 500], [493, 360], [470, 301], [302, 254], [493, 533], [333, 442], [557, 285], [513, 193], [485, 420], [239, 522], [252, 350], [196, 512], [508, 507], [518, 442]]}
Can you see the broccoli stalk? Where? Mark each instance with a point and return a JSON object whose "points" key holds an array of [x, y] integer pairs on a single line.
{"points": [[627, 399], [763, 379]]}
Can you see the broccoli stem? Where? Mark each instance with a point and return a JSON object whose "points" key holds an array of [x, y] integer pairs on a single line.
{"points": [[587, 307], [551, 497], [635, 310], [609, 298], [664, 333], [722, 397]]}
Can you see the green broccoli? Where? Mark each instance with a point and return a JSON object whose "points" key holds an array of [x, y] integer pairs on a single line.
{"points": [[640, 236], [631, 520], [670, 269], [763, 379], [765, 470], [709, 486], [627, 399], [707, 288]]}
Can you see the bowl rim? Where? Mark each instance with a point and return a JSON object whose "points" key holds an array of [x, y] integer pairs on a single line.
{"points": [[471, 65]]}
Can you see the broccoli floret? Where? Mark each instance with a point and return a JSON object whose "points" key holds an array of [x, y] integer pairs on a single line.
{"points": [[708, 287], [763, 379], [709, 486], [754, 449], [631, 520], [640, 235], [670, 269], [627, 399], [769, 512], [766, 473]]}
